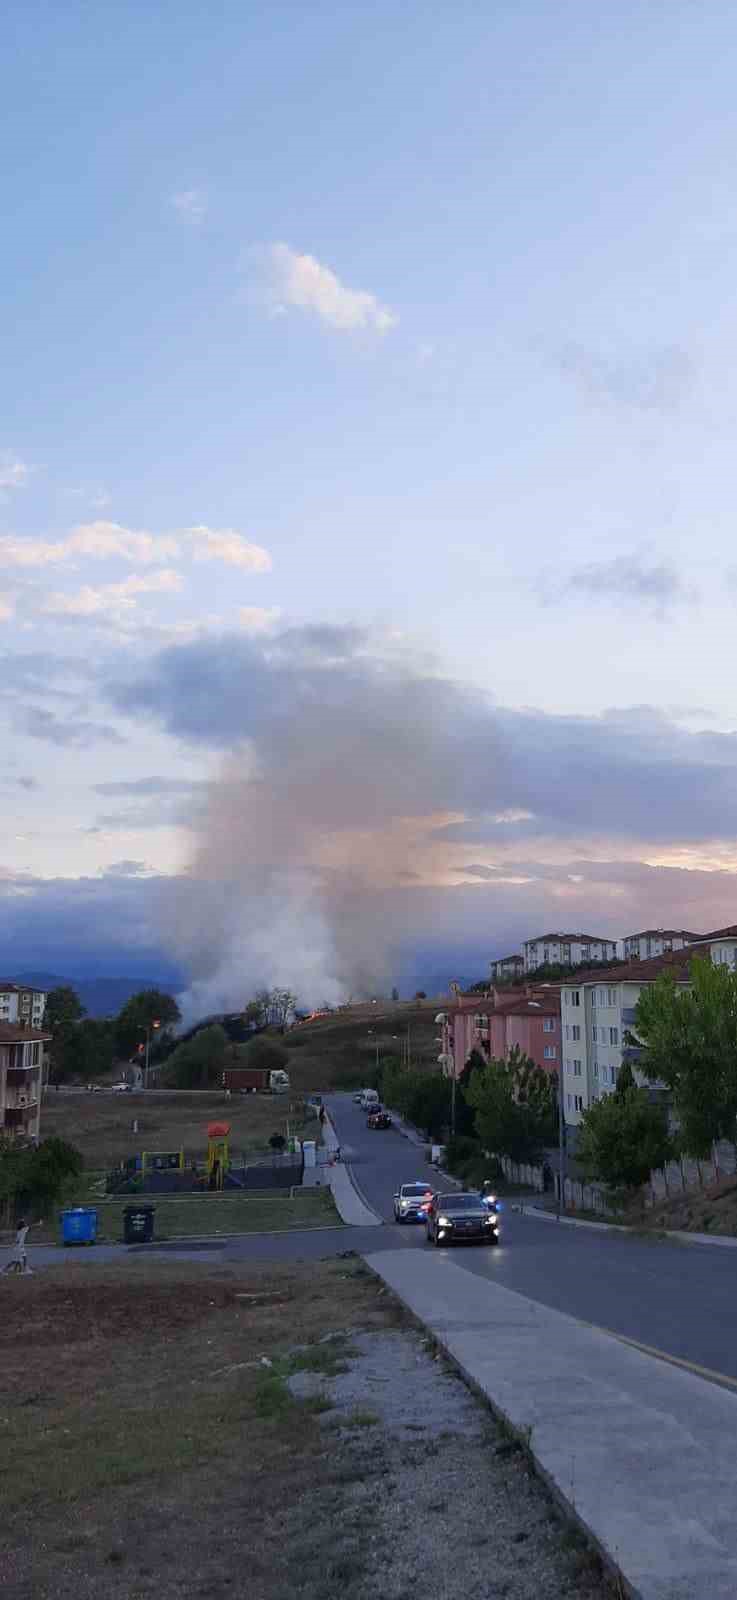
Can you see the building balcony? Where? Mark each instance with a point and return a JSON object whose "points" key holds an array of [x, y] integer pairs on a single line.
{"points": [[21, 1100], [17, 1118]]}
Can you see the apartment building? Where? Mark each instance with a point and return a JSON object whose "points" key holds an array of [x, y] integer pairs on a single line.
{"points": [[507, 967], [597, 1012], [529, 1021], [656, 942], [21, 1078], [721, 946], [567, 949], [21, 1004]]}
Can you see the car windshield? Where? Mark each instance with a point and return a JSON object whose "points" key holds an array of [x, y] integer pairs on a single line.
{"points": [[461, 1202], [410, 1190]]}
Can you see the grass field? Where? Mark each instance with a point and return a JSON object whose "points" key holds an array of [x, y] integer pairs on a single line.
{"points": [[192, 1217], [100, 1124], [179, 1431], [147, 1449]]}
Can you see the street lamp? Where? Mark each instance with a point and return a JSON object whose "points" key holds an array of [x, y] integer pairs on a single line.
{"points": [[147, 1030]]}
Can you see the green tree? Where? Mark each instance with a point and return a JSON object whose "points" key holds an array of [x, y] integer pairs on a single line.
{"points": [[198, 1061], [505, 1125], [140, 1013], [35, 1178], [623, 1138], [689, 1043], [266, 1054], [254, 1012], [63, 1012]]}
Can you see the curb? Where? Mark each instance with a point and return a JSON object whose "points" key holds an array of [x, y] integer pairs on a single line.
{"points": [[348, 1170], [722, 1241]]}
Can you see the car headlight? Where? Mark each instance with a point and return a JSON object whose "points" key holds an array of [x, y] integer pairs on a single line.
{"points": [[444, 1222], [490, 1222]]}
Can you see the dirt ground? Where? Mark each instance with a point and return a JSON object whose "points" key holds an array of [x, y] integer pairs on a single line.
{"points": [[100, 1124], [186, 1431]]}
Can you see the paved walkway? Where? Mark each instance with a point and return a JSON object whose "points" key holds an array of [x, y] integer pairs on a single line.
{"points": [[349, 1202], [644, 1455]]}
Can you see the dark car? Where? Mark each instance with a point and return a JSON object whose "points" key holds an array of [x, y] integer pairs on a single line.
{"points": [[379, 1119], [411, 1202], [453, 1218]]}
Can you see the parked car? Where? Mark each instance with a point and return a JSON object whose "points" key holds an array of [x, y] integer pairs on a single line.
{"points": [[379, 1119], [452, 1218], [121, 1088], [411, 1202], [370, 1100]]}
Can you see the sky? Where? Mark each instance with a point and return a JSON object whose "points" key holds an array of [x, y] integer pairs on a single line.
{"points": [[367, 397]]}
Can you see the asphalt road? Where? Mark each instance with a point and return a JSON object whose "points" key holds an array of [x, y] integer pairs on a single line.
{"points": [[678, 1299]]}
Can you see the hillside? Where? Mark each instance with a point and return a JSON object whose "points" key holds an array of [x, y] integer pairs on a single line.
{"points": [[711, 1210], [339, 1051]]}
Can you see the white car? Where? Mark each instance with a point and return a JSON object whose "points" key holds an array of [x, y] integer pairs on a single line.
{"points": [[411, 1200], [121, 1088]]}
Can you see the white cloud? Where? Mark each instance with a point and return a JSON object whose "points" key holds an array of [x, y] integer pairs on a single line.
{"points": [[258, 619], [97, 539], [224, 544], [110, 597], [13, 472], [6, 611], [302, 282], [190, 206]]}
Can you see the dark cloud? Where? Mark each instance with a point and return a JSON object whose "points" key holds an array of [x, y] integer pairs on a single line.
{"points": [[656, 380], [370, 740], [658, 586], [144, 787], [127, 869], [71, 733]]}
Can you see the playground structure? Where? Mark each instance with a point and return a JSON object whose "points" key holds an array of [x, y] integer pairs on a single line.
{"points": [[218, 1154], [175, 1172]]}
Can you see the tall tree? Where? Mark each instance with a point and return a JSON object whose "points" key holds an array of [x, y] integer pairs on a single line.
{"points": [[689, 1043], [62, 1014], [141, 1012], [198, 1061], [623, 1138], [506, 1125]]}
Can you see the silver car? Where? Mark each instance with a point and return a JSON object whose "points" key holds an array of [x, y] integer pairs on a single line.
{"points": [[410, 1202]]}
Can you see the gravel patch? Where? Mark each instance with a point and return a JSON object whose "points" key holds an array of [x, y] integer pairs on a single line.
{"points": [[438, 1500]]}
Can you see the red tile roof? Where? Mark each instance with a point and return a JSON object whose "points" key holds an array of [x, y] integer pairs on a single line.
{"points": [[664, 933], [15, 1033], [676, 961], [570, 938], [720, 933]]}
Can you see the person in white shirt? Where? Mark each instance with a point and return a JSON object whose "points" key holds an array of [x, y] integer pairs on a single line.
{"points": [[19, 1260]]}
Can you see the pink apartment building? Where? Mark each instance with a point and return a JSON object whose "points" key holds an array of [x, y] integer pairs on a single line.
{"points": [[494, 1026]]}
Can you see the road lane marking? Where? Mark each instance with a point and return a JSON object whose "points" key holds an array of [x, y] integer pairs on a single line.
{"points": [[709, 1373]]}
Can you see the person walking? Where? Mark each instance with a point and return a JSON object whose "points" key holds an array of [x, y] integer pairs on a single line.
{"points": [[19, 1260]]}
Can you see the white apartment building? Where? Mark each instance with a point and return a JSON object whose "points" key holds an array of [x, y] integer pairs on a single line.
{"points": [[720, 945], [21, 1079], [507, 967], [656, 942], [595, 1018], [567, 949], [21, 1004]]}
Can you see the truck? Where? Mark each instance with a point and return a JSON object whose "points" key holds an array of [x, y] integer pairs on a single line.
{"points": [[256, 1080]]}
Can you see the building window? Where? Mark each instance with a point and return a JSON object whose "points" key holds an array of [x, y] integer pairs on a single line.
{"points": [[614, 1035], [612, 993], [569, 1098], [550, 1052], [576, 1030], [35, 1054], [595, 1034], [578, 1098], [549, 1025], [576, 1067], [596, 1070], [575, 997]]}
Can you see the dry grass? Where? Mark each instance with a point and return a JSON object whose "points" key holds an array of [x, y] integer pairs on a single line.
{"points": [[339, 1051], [100, 1124], [711, 1210], [145, 1446]]}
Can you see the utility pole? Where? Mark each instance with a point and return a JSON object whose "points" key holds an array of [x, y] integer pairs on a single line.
{"points": [[453, 1105], [561, 1141]]}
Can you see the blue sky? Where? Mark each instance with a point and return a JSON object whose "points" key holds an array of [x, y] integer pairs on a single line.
{"points": [[417, 322]]}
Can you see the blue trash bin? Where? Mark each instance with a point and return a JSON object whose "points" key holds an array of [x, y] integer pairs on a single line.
{"points": [[79, 1225]]}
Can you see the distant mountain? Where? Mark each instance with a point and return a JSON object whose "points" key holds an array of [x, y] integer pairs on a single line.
{"points": [[101, 997]]}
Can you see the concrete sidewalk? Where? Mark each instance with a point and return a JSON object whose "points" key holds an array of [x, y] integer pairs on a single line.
{"points": [[644, 1455], [349, 1202]]}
